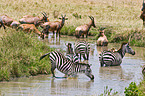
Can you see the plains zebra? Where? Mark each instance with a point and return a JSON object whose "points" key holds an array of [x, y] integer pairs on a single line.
{"points": [[82, 48], [67, 67], [70, 54], [109, 58]]}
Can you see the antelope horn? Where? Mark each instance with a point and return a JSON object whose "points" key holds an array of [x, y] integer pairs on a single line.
{"points": [[64, 15], [90, 17], [44, 14]]}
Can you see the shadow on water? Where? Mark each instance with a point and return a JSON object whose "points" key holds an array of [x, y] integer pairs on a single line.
{"points": [[116, 77]]}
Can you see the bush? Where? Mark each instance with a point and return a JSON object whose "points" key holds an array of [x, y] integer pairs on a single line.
{"points": [[132, 90]]}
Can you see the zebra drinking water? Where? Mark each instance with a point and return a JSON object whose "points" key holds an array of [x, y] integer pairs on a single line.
{"points": [[82, 48], [70, 54], [109, 58], [66, 66]]}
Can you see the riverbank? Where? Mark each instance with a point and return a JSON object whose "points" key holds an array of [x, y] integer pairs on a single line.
{"points": [[19, 55]]}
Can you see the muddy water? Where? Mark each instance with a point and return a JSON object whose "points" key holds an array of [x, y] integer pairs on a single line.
{"points": [[117, 77]]}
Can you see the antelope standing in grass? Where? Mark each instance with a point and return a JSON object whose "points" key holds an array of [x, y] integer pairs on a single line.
{"points": [[7, 21], [66, 66], [109, 58], [84, 29], [102, 40], [55, 26], [70, 54], [142, 16], [31, 28], [28, 19]]}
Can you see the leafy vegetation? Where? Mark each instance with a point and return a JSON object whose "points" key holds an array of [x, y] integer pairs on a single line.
{"points": [[133, 90]]}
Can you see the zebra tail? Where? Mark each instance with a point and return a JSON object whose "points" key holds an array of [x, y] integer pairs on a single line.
{"points": [[44, 56]]}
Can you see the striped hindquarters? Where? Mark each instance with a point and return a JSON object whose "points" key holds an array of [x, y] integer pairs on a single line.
{"points": [[72, 58], [61, 62], [82, 48], [107, 58]]}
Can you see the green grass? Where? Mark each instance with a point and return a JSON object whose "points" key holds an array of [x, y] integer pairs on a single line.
{"points": [[19, 55]]}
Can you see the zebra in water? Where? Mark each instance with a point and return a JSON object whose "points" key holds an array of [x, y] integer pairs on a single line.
{"points": [[70, 54], [109, 58], [67, 67], [82, 48]]}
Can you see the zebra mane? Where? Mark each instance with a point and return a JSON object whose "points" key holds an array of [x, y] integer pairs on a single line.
{"points": [[120, 50], [123, 45]]}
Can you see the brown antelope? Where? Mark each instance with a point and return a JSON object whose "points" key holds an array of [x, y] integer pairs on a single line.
{"points": [[142, 16], [102, 40], [28, 19], [84, 29], [9, 21], [29, 28], [55, 26]]}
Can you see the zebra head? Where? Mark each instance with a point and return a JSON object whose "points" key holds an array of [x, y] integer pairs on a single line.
{"points": [[128, 49], [88, 72]]}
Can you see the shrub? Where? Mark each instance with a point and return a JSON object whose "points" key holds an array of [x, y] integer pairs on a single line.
{"points": [[132, 90]]}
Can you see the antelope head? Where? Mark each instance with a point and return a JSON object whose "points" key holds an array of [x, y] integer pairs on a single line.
{"points": [[92, 21]]}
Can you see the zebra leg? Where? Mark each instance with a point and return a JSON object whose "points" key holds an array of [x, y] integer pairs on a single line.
{"points": [[53, 66], [87, 56], [52, 71], [80, 56], [102, 64]]}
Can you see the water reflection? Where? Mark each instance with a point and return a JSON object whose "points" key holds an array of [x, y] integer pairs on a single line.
{"points": [[114, 72], [72, 85], [53, 38]]}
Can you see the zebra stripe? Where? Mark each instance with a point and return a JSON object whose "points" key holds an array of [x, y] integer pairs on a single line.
{"points": [[110, 58], [73, 58], [82, 48], [66, 66]]}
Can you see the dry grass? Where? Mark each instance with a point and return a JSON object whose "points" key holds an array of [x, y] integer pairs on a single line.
{"points": [[119, 13]]}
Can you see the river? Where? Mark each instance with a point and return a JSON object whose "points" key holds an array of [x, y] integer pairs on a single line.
{"points": [[117, 77]]}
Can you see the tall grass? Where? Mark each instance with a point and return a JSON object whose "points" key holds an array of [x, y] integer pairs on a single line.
{"points": [[19, 55]]}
